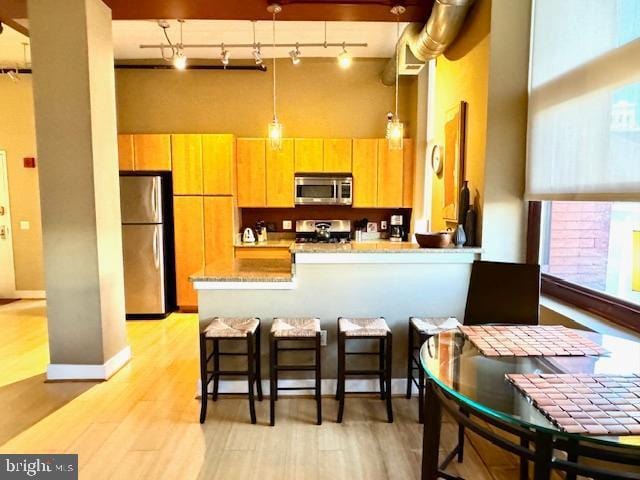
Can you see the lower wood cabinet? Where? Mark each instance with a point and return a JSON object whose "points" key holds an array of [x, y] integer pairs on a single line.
{"points": [[271, 253], [188, 223]]}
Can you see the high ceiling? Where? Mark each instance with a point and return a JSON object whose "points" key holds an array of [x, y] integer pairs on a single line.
{"points": [[318, 10]]}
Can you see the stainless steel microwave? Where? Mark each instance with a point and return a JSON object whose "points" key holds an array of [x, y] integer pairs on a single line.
{"points": [[323, 190]]}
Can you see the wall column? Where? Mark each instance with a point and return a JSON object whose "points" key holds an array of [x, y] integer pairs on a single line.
{"points": [[74, 98]]}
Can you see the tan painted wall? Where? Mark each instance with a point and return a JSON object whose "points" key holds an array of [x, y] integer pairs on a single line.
{"points": [[17, 137], [488, 68], [315, 99], [463, 74]]}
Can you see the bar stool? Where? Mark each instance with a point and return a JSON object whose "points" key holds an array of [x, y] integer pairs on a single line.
{"points": [[417, 330], [294, 330], [365, 329], [230, 329]]}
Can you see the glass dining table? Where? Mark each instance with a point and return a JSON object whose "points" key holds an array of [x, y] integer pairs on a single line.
{"points": [[474, 390]]}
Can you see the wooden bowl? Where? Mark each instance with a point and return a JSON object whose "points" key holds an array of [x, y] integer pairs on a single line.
{"points": [[434, 239]]}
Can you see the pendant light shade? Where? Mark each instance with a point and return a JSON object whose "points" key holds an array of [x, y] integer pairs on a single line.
{"points": [[395, 128], [275, 127]]}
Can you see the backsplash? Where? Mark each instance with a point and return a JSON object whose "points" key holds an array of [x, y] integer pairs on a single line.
{"points": [[249, 216]]}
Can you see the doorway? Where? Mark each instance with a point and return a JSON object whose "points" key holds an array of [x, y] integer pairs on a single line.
{"points": [[7, 274]]}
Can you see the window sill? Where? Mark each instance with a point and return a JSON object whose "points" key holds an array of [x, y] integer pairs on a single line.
{"points": [[553, 311]]}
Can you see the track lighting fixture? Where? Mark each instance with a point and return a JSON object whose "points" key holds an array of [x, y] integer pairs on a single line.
{"points": [[344, 57], [257, 55], [295, 55], [224, 56]]}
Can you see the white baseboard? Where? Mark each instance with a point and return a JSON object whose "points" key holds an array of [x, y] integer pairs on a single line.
{"points": [[398, 386], [30, 294], [57, 371]]}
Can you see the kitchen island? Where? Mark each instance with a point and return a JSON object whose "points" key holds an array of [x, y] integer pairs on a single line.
{"points": [[367, 279]]}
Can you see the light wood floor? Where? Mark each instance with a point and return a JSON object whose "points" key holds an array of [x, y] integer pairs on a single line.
{"points": [[143, 423]]}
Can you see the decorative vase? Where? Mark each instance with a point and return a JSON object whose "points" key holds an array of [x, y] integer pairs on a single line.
{"points": [[470, 226], [463, 201], [459, 237]]}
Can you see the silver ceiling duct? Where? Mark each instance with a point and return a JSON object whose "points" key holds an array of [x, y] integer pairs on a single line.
{"points": [[433, 39]]}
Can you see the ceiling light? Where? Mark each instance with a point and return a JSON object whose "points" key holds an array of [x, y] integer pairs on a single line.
{"points": [[295, 55], [395, 128], [224, 56], [180, 60], [344, 58], [257, 55], [275, 127]]}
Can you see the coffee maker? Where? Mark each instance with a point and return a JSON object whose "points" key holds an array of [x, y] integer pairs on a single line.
{"points": [[397, 230]]}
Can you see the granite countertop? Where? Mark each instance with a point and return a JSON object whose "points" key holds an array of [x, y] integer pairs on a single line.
{"points": [[376, 246], [281, 243], [246, 270]]}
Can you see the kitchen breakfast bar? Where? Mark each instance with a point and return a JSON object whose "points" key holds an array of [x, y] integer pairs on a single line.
{"points": [[368, 279]]}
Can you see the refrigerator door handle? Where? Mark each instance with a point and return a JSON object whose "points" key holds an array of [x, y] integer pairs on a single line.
{"points": [[154, 198], [156, 256]]}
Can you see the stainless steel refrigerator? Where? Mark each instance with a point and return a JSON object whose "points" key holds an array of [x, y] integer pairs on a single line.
{"points": [[146, 244]]}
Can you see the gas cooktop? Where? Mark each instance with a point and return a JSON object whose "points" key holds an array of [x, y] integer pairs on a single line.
{"points": [[316, 240]]}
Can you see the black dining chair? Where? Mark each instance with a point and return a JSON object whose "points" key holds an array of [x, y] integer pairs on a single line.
{"points": [[500, 293]]}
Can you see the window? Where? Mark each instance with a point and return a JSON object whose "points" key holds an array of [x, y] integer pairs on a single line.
{"points": [[595, 245]]}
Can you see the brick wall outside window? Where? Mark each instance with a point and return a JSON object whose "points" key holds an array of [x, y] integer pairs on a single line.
{"points": [[579, 242]]}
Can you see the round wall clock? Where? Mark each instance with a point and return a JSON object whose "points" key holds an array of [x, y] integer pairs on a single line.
{"points": [[436, 159]]}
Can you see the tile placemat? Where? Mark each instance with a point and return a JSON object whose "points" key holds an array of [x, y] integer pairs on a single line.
{"points": [[587, 404], [529, 341]]}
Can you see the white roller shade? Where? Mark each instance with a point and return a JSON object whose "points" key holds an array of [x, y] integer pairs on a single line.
{"points": [[584, 106]]}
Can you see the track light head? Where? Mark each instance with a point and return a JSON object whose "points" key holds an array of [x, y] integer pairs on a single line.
{"points": [[224, 56], [295, 55], [344, 58], [180, 60]]}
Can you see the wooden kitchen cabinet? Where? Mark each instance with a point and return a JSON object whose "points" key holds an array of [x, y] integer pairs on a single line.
{"points": [[125, 153], [219, 214], [337, 155], [218, 163], [251, 164], [390, 176], [280, 174], [408, 167], [152, 152], [188, 222], [309, 155], [186, 151], [365, 172]]}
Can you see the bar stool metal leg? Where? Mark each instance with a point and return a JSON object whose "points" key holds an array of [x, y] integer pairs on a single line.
{"points": [[258, 363], [203, 378], [389, 341], [341, 375], [410, 362], [381, 366], [273, 354], [251, 375], [216, 368], [420, 392], [318, 379]]}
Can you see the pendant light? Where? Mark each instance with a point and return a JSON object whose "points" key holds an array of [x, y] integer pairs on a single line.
{"points": [[395, 128], [275, 127], [180, 59]]}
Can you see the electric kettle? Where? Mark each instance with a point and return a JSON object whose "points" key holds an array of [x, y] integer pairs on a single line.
{"points": [[248, 236]]}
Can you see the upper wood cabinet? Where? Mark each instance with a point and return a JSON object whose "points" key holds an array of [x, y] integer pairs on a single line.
{"points": [[219, 167], [408, 162], [309, 155], [125, 153], [152, 152], [337, 155], [390, 176], [365, 172], [219, 215], [188, 221], [186, 151], [280, 174], [252, 188]]}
